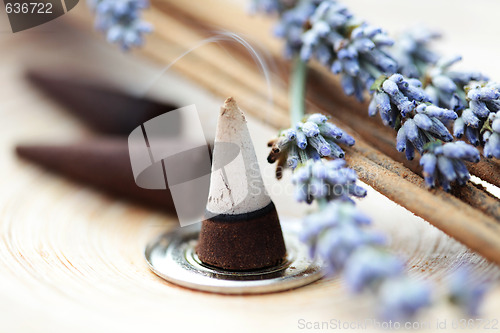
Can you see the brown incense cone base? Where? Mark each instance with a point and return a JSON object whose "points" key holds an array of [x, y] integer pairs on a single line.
{"points": [[242, 242]]}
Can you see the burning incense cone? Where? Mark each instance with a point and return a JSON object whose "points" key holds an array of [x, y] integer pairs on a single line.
{"points": [[242, 230], [104, 110]]}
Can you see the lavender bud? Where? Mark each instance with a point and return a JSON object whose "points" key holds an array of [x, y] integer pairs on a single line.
{"points": [[439, 129], [335, 149], [470, 119], [321, 146], [444, 83], [429, 162], [310, 129], [483, 94], [410, 151], [293, 157], [390, 87], [383, 102], [301, 139], [492, 146], [317, 118], [346, 139], [330, 130], [495, 125], [401, 139], [422, 121], [479, 108], [472, 134], [458, 127]]}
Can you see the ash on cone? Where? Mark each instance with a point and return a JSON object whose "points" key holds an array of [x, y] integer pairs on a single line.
{"points": [[241, 230], [236, 185]]}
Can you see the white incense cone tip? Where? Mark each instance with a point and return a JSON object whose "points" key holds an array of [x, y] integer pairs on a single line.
{"points": [[231, 109], [238, 188], [230, 103]]}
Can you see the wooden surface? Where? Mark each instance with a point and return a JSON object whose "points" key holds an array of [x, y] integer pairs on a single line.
{"points": [[71, 258]]}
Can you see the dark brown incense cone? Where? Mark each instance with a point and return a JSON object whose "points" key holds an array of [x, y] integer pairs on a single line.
{"points": [[242, 242], [241, 230], [105, 110], [102, 163]]}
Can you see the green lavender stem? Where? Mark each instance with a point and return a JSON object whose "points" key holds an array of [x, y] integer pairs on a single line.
{"points": [[297, 90]]}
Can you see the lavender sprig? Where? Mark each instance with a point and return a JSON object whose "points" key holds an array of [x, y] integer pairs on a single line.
{"points": [[472, 97], [475, 121], [312, 138], [402, 103], [445, 87], [401, 298], [339, 235], [327, 31], [335, 232], [369, 267], [318, 180], [120, 21], [271, 6], [465, 292], [291, 25]]}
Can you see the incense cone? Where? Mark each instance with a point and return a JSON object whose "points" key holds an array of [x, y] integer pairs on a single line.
{"points": [[103, 109], [101, 163], [241, 230]]}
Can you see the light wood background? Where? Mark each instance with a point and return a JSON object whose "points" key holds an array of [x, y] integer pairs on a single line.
{"points": [[71, 257]]}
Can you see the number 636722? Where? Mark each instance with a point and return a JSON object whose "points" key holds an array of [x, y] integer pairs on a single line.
{"points": [[29, 8]]}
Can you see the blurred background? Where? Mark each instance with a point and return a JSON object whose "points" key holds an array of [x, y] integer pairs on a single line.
{"points": [[71, 255]]}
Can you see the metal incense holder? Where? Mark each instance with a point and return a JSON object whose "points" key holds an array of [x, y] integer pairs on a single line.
{"points": [[173, 257]]}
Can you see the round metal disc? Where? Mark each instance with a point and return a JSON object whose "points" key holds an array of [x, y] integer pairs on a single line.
{"points": [[173, 257]]}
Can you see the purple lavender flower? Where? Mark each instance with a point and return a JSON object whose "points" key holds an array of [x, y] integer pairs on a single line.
{"points": [[364, 49], [120, 21], [369, 266], [400, 298], [412, 51], [338, 235], [328, 180], [444, 164], [271, 6], [313, 138], [336, 232], [291, 25], [466, 293], [425, 126], [327, 31], [476, 121], [401, 101], [446, 87], [395, 96]]}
